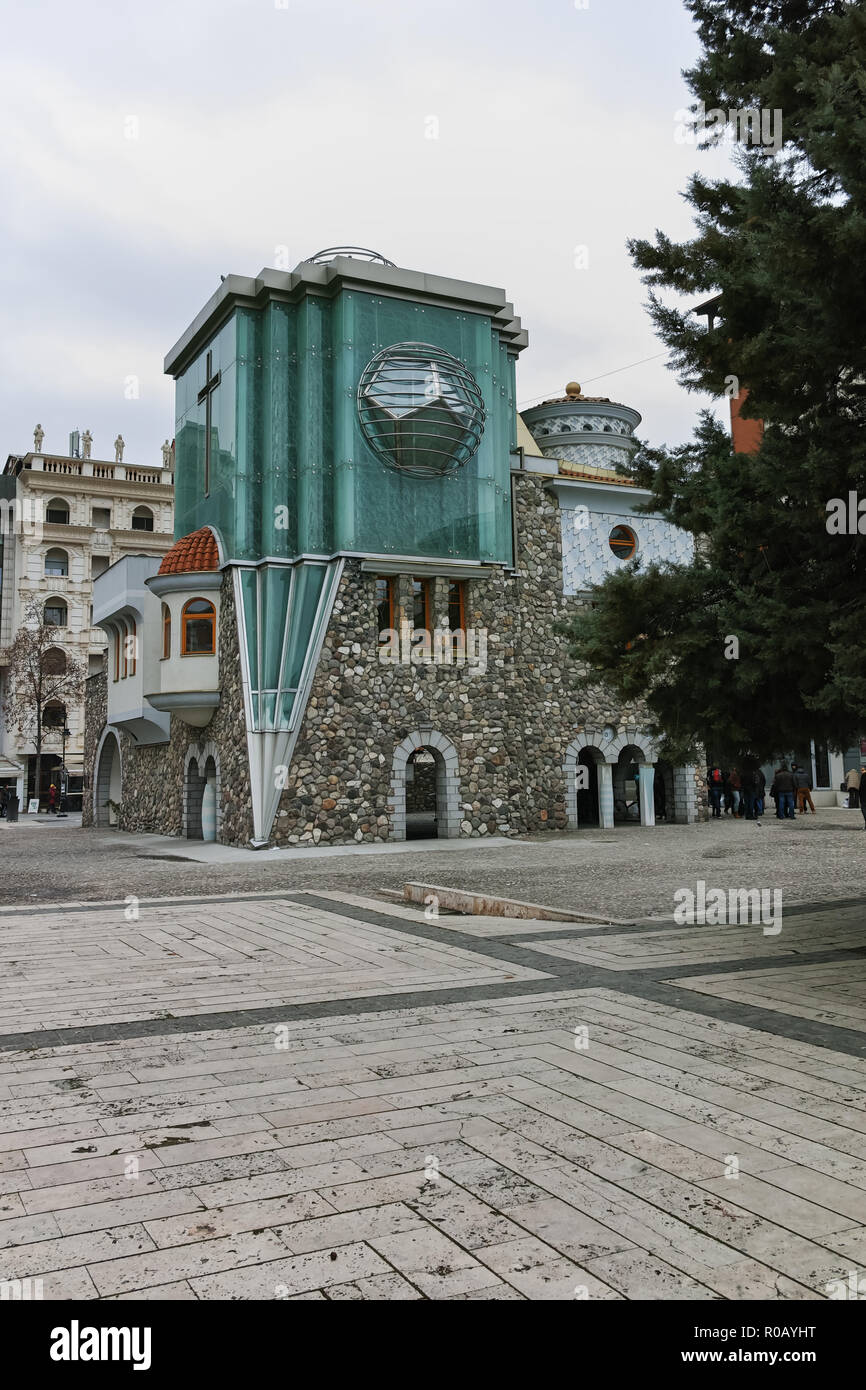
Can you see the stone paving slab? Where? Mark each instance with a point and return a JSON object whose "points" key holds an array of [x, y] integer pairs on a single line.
{"points": [[572, 1137]]}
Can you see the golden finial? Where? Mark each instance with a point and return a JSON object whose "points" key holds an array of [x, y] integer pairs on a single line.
{"points": [[572, 390]]}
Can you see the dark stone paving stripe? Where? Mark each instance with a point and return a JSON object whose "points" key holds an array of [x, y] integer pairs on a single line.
{"points": [[106, 904], [275, 1013], [657, 983], [680, 999]]}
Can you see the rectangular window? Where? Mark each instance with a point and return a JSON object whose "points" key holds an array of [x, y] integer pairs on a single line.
{"points": [[456, 607], [421, 604], [101, 518], [384, 606], [117, 654]]}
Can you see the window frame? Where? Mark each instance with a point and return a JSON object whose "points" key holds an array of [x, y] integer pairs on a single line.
{"points": [[58, 604], [426, 596], [166, 633], [51, 574], [617, 554], [460, 586], [150, 517], [185, 617], [389, 598], [53, 521]]}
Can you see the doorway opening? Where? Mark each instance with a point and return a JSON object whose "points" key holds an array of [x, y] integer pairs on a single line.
{"points": [[587, 795], [108, 783], [425, 772]]}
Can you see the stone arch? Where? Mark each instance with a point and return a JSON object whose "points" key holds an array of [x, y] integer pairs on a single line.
{"points": [[107, 778], [605, 752], [447, 783], [637, 739], [195, 775]]}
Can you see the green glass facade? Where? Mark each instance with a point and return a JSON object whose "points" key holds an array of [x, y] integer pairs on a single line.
{"points": [[291, 473]]}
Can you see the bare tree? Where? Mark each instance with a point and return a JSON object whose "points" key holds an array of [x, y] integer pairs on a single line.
{"points": [[39, 672]]}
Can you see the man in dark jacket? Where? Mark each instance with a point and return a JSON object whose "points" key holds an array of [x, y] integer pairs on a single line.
{"points": [[747, 791], [715, 787], [803, 784], [783, 791]]}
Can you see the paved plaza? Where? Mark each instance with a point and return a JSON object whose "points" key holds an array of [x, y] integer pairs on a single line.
{"points": [[626, 872], [326, 1093]]}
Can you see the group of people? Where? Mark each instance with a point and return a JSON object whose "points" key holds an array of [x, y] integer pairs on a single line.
{"points": [[743, 792]]}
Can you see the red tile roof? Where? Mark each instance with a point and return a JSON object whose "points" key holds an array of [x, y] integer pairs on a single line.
{"points": [[198, 551]]}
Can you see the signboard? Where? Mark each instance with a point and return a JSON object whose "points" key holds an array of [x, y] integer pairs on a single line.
{"points": [[33, 806]]}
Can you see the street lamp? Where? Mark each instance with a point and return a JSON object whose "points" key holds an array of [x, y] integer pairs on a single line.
{"points": [[64, 775]]}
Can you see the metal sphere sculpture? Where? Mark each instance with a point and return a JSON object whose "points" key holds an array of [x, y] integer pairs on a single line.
{"points": [[421, 410]]}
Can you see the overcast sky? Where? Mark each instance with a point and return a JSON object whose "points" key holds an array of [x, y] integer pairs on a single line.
{"points": [[151, 147]]}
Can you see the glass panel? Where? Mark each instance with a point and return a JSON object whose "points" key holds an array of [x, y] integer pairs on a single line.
{"points": [[308, 588], [199, 635]]}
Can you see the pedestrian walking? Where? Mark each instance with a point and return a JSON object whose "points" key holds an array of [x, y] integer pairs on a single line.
{"points": [[782, 792], [734, 789], [715, 787], [747, 792], [760, 789], [52, 800], [852, 782], [803, 785]]}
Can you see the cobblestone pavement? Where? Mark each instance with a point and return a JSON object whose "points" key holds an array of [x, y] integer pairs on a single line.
{"points": [[626, 872], [322, 1095]]}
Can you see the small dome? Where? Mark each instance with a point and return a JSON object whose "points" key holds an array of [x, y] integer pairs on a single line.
{"points": [[193, 553]]}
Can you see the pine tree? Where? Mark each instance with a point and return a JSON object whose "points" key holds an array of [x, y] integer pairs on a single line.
{"points": [[783, 245]]}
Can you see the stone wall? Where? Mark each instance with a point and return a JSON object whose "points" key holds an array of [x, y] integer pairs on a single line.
{"points": [[95, 714], [510, 724]]}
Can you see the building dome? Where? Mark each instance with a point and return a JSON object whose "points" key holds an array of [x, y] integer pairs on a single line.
{"points": [[193, 553], [589, 432]]}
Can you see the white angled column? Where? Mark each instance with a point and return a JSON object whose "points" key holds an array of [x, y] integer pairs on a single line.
{"points": [[605, 795], [647, 800]]}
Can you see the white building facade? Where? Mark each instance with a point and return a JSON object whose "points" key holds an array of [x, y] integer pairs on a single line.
{"points": [[66, 520]]}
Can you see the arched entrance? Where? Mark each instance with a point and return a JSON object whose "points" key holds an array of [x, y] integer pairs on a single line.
{"points": [[209, 801], [108, 781], [586, 787], [424, 768], [193, 796], [425, 788], [626, 786]]}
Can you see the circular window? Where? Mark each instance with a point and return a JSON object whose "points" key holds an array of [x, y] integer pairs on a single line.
{"points": [[623, 542]]}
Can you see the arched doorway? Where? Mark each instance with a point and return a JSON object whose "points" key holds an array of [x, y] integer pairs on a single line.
{"points": [[626, 785], [193, 797], [108, 781], [586, 787], [424, 768], [432, 807], [209, 801]]}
